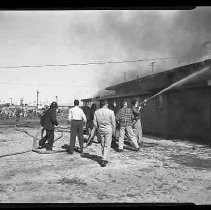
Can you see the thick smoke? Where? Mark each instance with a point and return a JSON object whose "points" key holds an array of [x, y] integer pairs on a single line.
{"points": [[187, 35], [192, 34], [149, 34]]}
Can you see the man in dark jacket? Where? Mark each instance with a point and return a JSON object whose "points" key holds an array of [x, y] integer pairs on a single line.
{"points": [[87, 111], [48, 121], [114, 107]]}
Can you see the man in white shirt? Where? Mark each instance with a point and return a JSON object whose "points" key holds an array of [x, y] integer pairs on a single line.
{"points": [[76, 118], [104, 121]]}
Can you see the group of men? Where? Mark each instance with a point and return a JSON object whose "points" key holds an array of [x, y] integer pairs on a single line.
{"points": [[104, 121]]}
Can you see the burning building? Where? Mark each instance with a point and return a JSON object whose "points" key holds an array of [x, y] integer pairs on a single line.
{"points": [[183, 107]]}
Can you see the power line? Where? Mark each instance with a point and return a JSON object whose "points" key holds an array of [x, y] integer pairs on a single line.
{"points": [[97, 62], [89, 63]]}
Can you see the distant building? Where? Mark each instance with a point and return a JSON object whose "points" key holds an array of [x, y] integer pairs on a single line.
{"points": [[4, 105], [91, 101], [184, 112]]}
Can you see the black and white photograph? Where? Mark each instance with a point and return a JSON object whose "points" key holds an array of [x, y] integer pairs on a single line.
{"points": [[105, 106]]}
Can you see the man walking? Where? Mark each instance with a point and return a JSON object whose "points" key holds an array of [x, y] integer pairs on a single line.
{"points": [[124, 118], [104, 121], [48, 121], [76, 118]]}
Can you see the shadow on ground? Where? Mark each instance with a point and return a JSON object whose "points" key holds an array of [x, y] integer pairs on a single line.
{"points": [[96, 158], [205, 142], [191, 160]]}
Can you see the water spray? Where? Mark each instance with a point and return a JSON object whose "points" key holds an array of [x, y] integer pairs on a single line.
{"points": [[180, 82]]}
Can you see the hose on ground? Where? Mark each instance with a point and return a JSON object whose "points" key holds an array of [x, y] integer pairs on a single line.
{"points": [[15, 153], [35, 140]]}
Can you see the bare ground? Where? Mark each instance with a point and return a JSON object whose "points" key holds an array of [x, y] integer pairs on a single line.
{"points": [[162, 171]]}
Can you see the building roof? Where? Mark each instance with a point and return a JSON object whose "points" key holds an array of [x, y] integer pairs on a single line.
{"points": [[121, 95], [115, 96], [158, 81], [163, 79], [87, 99]]}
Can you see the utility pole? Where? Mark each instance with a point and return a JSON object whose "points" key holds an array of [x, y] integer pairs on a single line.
{"points": [[21, 101], [37, 98], [153, 66], [11, 101], [57, 99]]}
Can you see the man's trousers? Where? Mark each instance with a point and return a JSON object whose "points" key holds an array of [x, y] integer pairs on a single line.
{"points": [[49, 137], [138, 130], [95, 132], [76, 129], [105, 139], [130, 135]]}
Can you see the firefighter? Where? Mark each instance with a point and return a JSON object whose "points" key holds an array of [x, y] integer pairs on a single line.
{"points": [[114, 107], [124, 118], [48, 122], [93, 109], [94, 131], [41, 120], [104, 121], [87, 111], [76, 118], [137, 127], [114, 136]]}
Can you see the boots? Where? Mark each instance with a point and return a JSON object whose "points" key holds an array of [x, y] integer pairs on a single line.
{"points": [[104, 163]]}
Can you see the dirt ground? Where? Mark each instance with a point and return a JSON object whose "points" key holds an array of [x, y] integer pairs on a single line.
{"points": [[162, 171]]}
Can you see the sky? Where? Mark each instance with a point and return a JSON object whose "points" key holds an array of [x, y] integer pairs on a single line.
{"points": [[83, 36]]}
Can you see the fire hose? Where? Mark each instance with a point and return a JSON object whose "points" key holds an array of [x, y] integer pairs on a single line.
{"points": [[35, 140], [204, 71]]}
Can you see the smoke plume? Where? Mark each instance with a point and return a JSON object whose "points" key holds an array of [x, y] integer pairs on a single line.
{"points": [[147, 34]]}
